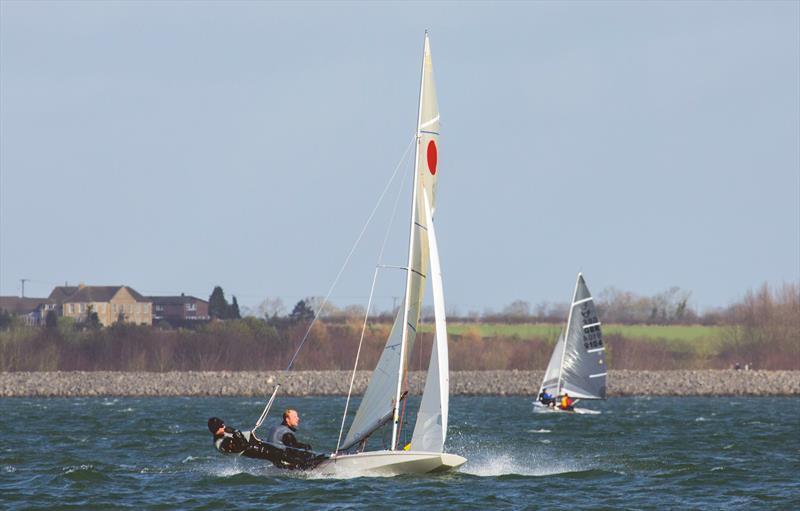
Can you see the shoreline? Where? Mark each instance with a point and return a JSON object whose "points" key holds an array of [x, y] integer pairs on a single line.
{"points": [[335, 383]]}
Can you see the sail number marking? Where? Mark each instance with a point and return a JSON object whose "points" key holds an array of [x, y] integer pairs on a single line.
{"points": [[592, 337]]}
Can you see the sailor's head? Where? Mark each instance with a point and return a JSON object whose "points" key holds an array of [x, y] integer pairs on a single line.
{"points": [[566, 394], [215, 424], [291, 418]]}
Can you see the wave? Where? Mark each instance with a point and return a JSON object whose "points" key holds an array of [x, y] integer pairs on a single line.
{"points": [[494, 465], [84, 473]]}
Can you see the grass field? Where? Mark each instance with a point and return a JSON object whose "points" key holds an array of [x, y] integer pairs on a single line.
{"points": [[699, 339], [522, 331]]}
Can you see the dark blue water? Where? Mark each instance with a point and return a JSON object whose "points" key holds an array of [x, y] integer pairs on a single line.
{"points": [[641, 453]]}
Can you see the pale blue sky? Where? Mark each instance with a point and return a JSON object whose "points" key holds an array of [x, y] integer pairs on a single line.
{"points": [[175, 146]]}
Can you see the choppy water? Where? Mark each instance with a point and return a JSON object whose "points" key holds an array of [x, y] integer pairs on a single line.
{"points": [[641, 453]]}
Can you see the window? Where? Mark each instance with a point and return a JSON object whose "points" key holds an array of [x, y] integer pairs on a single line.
{"points": [[138, 308], [191, 306], [130, 308], [82, 307], [102, 308], [69, 308], [159, 308], [146, 307]]}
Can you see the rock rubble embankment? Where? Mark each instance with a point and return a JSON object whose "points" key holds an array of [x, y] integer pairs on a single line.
{"points": [[315, 383]]}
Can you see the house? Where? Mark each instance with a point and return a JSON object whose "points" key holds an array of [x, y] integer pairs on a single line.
{"points": [[58, 295], [33, 310], [180, 310], [109, 302]]}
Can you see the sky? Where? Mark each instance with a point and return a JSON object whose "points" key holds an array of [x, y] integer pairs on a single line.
{"points": [[175, 146]]}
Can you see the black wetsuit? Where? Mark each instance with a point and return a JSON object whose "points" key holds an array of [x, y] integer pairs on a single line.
{"points": [[290, 454], [295, 454], [232, 441]]}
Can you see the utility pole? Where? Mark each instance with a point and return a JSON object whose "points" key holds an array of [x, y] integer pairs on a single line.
{"points": [[23, 281]]}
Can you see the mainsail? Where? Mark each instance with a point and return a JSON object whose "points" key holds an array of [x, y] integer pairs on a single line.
{"points": [[581, 352], [385, 389]]}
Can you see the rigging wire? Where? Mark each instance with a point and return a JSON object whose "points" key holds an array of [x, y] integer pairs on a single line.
{"points": [[336, 280], [366, 314]]}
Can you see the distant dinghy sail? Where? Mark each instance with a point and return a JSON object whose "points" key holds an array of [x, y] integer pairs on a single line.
{"points": [[578, 363]]}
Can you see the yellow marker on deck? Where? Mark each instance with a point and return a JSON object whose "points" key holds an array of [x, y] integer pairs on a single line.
{"points": [[407, 447]]}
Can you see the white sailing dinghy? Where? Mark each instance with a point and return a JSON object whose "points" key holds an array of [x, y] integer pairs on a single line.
{"points": [[578, 363], [383, 399]]}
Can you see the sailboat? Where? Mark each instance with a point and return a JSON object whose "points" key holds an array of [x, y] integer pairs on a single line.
{"points": [[384, 398], [578, 364]]}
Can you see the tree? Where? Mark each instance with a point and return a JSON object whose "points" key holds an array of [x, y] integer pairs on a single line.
{"points": [[5, 319], [270, 308], [92, 319], [51, 319], [217, 304], [301, 312], [518, 309], [233, 311]]}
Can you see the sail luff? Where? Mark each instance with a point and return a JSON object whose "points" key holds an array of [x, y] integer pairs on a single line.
{"points": [[566, 336], [404, 338]]}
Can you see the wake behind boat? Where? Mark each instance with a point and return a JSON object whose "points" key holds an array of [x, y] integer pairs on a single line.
{"points": [[577, 368]]}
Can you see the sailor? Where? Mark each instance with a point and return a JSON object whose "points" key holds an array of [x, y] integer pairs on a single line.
{"points": [[546, 398], [283, 433], [567, 402], [227, 440], [294, 454], [245, 443]]}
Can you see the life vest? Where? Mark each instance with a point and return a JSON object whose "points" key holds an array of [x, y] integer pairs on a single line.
{"points": [[566, 402], [276, 435]]}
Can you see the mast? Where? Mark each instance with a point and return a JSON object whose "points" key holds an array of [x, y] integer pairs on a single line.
{"points": [[566, 334], [404, 338]]}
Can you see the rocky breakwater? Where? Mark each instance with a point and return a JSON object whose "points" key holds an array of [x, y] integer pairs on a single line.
{"points": [[307, 383]]}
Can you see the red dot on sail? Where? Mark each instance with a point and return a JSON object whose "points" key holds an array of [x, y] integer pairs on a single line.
{"points": [[432, 155]]}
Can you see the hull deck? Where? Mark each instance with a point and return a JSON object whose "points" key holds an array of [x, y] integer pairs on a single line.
{"points": [[390, 463]]}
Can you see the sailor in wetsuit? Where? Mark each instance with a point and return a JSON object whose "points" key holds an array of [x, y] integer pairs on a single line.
{"points": [[283, 433], [245, 443], [546, 398]]}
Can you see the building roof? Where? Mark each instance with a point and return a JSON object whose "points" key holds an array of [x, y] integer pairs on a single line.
{"points": [[61, 293], [17, 305], [174, 300], [101, 294]]}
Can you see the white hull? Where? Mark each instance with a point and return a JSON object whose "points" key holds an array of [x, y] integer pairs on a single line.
{"points": [[540, 408], [389, 463]]}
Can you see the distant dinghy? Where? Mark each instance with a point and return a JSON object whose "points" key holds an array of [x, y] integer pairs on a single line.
{"points": [[578, 364], [381, 404]]}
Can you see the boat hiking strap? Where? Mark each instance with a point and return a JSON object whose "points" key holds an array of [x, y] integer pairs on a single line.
{"points": [[336, 280]]}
